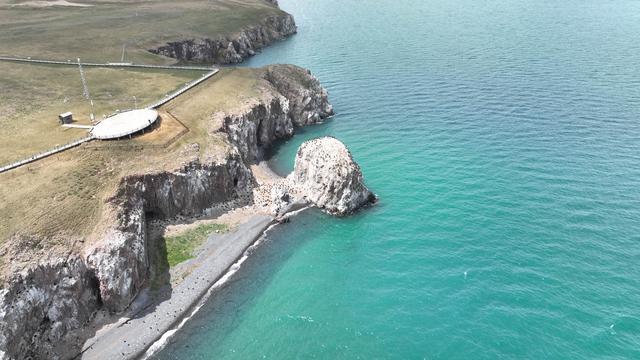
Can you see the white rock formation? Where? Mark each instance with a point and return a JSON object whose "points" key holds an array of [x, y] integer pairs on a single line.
{"points": [[326, 175]]}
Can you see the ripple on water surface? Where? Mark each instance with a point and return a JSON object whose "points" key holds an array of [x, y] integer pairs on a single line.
{"points": [[503, 140]]}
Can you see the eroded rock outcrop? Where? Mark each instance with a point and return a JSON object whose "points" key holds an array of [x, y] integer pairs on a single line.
{"points": [[42, 305], [260, 124], [120, 261], [308, 100], [326, 174], [231, 49], [296, 99]]}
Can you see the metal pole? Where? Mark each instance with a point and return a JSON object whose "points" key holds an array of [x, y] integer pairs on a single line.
{"points": [[85, 90]]}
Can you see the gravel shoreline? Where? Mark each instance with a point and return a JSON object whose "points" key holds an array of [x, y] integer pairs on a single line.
{"points": [[130, 337]]}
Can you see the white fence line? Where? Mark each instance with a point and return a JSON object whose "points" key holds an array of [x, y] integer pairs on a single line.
{"points": [[113, 65], [45, 154], [74, 126], [183, 90]]}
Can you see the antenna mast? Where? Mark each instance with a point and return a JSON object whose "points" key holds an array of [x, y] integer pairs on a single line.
{"points": [[85, 91]]}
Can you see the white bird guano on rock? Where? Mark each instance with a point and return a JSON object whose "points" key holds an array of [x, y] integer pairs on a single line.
{"points": [[328, 177]]}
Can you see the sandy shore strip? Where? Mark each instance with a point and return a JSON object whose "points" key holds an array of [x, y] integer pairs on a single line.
{"points": [[129, 338]]}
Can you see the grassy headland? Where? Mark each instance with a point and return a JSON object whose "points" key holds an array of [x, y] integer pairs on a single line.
{"points": [[49, 204], [98, 30], [33, 96], [54, 205]]}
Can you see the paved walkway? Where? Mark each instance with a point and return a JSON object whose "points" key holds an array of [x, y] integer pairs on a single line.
{"points": [[74, 126], [112, 65], [44, 154]]}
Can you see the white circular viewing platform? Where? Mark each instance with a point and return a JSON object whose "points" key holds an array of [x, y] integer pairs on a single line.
{"points": [[124, 124]]}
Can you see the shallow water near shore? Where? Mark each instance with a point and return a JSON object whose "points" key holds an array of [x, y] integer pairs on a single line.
{"points": [[503, 138]]}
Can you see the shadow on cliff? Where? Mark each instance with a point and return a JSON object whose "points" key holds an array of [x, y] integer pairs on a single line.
{"points": [[158, 287], [159, 276]]}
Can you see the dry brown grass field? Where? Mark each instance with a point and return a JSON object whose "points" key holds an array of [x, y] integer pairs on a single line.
{"points": [[33, 96], [98, 30]]}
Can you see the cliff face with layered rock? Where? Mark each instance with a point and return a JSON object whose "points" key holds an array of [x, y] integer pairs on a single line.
{"points": [[121, 260], [295, 99], [234, 48], [43, 307], [308, 100], [43, 304], [258, 125]]}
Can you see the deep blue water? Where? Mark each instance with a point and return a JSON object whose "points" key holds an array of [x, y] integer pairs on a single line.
{"points": [[503, 139]]}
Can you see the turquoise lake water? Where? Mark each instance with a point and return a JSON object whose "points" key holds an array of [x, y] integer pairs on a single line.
{"points": [[503, 139]]}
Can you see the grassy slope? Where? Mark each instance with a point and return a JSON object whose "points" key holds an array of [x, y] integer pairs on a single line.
{"points": [[98, 32]]}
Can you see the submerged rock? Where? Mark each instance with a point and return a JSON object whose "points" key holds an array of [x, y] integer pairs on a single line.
{"points": [[326, 174]]}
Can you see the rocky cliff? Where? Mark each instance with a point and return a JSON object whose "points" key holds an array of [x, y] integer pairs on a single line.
{"points": [[325, 176], [295, 99], [43, 307], [234, 48], [43, 304], [121, 260]]}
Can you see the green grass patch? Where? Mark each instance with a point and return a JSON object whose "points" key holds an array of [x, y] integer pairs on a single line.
{"points": [[181, 247]]}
